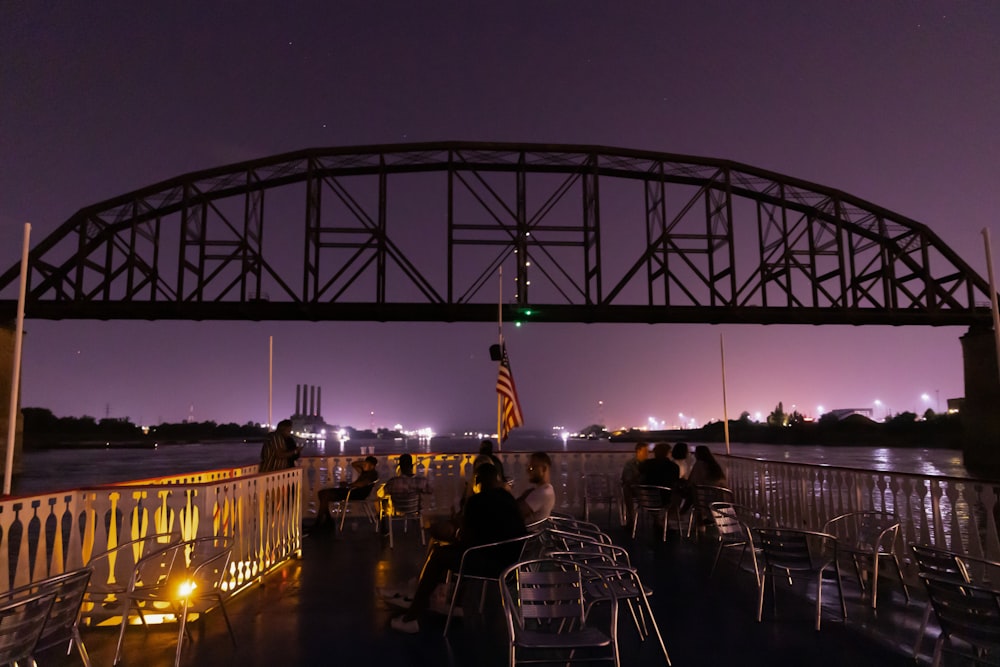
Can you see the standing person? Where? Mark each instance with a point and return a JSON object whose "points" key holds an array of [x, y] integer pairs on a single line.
{"points": [[275, 454], [490, 516], [537, 502], [632, 475], [486, 456], [367, 476]]}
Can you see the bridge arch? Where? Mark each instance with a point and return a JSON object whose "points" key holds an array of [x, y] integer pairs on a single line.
{"points": [[418, 231], [411, 232]]}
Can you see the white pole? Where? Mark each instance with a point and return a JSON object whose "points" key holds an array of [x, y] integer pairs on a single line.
{"points": [[725, 408], [993, 293], [16, 373], [500, 342], [270, 376]]}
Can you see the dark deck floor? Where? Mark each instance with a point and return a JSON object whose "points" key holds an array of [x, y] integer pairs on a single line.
{"points": [[323, 610]]}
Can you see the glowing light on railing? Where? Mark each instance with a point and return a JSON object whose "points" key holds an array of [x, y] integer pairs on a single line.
{"points": [[186, 589]]}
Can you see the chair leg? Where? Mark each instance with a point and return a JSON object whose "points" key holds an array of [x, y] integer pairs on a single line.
{"points": [[84, 656], [180, 633], [937, 650], [715, 562], [451, 606], [840, 591], [875, 580], [819, 599], [121, 633], [920, 634], [229, 626], [760, 596], [899, 573]]}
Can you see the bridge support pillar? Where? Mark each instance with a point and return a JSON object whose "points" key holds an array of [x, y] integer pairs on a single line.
{"points": [[7, 330], [980, 412]]}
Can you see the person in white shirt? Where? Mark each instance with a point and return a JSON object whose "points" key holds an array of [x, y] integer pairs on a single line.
{"points": [[537, 502]]}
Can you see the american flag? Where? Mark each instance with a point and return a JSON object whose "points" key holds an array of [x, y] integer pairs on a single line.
{"points": [[510, 407]]}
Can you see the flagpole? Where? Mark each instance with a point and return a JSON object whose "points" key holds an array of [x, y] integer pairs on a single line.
{"points": [[16, 373], [993, 293], [500, 342], [725, 409], [270, 377]]}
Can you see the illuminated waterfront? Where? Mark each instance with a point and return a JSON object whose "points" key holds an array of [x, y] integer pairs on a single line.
{"points": [[54, 469]]}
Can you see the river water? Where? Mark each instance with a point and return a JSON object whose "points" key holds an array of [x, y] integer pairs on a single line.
{"points": [[57, 469]]}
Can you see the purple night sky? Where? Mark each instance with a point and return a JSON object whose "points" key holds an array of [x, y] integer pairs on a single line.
{"points": [[897, 103]]}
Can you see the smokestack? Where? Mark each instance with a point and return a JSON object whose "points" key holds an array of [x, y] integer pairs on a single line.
{"points": [[298, 404], [312, 400], [319, 398]]}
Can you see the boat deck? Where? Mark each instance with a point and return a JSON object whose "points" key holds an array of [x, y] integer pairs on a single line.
{"points": [[322, 609]]}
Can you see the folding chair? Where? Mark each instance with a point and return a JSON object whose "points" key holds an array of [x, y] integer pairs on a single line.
{"points": [[734, 526]]}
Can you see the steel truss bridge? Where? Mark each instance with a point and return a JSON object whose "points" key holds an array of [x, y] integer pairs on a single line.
{"points": [[415, 232]]}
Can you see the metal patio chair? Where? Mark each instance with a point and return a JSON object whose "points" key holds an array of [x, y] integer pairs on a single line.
{"points": [[547, 613], [357, 498], [702, 497], [112, 569], [967, 613], [185, 577], [734, 525], [598, 490], [619, 579], [868, 537], [402, 507], [484, 563], [787, 551], [655, 502], [62, 625], [22, 622]]}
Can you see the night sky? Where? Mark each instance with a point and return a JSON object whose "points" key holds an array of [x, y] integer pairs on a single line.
{"points": [[897, 103]]}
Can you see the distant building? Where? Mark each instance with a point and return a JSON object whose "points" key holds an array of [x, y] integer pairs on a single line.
{"points": [[843, 413], [308, 422]]}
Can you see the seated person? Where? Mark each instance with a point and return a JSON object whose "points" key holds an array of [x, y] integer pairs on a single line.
{"points": [[660, 470], [486, 456], [406, 481], [631, 475], [679, 455], [359, 489], [537, 502], [490, 516]]}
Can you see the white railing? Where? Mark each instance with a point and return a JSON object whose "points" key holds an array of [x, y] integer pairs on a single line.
{"points": [[951, 513], [47, 534]]}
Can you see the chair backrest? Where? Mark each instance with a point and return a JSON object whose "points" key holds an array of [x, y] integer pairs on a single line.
{"points": [[22, 622], [360, 492], [864, 531], [966, 611], [650, 497], [938, 562], [980, 571], [705, 495], [68, 590], [548, 591], [487, 561], [405, 504], [111, 569], [208, 565], [728, 523], [796, 550], [597, 486]]}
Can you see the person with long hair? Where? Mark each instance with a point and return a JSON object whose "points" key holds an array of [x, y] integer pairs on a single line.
{"points": [[706, 471]]}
